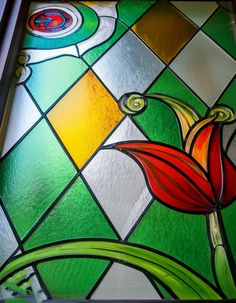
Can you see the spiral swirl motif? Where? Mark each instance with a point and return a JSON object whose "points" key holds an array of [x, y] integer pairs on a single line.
{"points": [[222, 114], [132, 104]]}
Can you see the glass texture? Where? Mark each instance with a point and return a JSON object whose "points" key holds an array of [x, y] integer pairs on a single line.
{"points": [[196, 11], [93, 54], [120, 277], [138, 8], [159, 220], [23, 115], [105, 30], [7, 239], [61, 73], [92, 117], [75, 278], [38, 55], [166, 41], [117, 176], [70, 218], [32, 176], [200, 61], [217, 28], [128, 66]]}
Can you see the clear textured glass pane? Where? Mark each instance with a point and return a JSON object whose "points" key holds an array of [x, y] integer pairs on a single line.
{"points": [[117, 173]]}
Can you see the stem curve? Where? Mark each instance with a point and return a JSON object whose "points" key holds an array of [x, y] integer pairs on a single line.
{"points": [[184, 283]]}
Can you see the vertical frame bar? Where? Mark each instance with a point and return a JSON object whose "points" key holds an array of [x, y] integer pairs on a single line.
{"points": [[12, 25]]}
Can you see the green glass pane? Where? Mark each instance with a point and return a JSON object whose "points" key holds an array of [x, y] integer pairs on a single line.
{"points": [[163, 291], [130, 10], [169, 84], [52, 78], [32, 176], [153, 122], [75, 216], [183, 236], [86, 30], [229, 215], [220, 28], [228, 97], [71, 279], [92, 55]]}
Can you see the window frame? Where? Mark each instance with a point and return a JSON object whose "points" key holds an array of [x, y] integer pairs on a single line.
{"points": [[12, 25]]}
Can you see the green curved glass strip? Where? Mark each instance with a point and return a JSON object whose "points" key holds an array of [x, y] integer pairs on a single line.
{"points": [[184, 283]]}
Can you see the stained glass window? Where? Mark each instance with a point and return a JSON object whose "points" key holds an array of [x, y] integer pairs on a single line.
{"points": [[117, 172]]}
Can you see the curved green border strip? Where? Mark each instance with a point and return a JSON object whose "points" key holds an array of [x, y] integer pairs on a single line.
{"points": [[184, 283], [90, 23]]}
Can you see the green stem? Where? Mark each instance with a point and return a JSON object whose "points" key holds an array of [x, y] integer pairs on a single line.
{"points": [[184, 283], [221, 263]]}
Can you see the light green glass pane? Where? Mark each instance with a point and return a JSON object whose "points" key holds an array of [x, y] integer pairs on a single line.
{"points": [[71, 279], [220, 28], [32, 176], [75, 216], [52, 78], [228, 97], [169, 84], [87, 29], [229, 215], [92, 55], [182, 236], [153, 122], [130, 10]]}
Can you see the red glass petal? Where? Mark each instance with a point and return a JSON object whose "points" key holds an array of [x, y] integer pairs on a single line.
{"points": [[229, 181], [215, 167], [172, 176], [206, 149]]}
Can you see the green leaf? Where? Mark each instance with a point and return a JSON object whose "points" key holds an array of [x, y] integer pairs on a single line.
{"points": [[184, 283], [223, 272]]}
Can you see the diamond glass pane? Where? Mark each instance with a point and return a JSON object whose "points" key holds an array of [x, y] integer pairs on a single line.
{"points": [[117, 171]]}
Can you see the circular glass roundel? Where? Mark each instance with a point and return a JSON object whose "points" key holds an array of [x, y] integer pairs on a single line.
{"points": [[54, 21]]}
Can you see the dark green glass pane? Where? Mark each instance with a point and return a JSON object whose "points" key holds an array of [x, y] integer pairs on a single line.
{"points": [[71, 279], [153, 122], [220, 29], [52, 78], [92, 55], [228, 97], [163, 291], [169, 84], [182, 236], [75, 216], [130, 10], [32, 176], [87, 29], [229, 215]]}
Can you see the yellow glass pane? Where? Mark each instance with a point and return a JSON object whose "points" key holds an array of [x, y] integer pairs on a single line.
{"points": [[164, 30], [84, 117]]}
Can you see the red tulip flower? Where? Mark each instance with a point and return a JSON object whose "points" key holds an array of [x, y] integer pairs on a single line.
{"points": [[200, 179]]}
